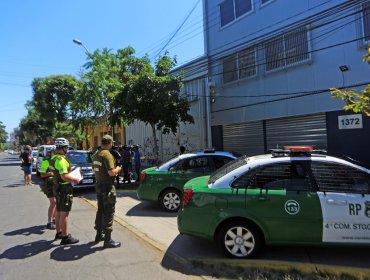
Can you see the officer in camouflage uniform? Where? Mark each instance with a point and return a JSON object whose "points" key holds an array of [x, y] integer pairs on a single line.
{"points": [[105, 170], [47, 188], [61, 168]]}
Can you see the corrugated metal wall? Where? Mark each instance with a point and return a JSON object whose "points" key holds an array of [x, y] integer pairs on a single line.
{"points": [[244, 138], [301, 130]]}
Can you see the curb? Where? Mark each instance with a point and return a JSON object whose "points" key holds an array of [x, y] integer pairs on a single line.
{"points": [[157, 245]]}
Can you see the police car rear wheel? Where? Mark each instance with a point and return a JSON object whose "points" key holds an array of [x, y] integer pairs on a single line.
{"points": [[171, 200], [240, 239]]}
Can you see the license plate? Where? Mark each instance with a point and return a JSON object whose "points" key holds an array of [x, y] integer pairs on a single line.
{"points": [[87, 181]]}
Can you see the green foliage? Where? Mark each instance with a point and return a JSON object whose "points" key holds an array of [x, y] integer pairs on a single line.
{"points": [[154, 98], [52, 96], [116, 89], [33, 129], [3, 133], [3, 137], [66, 130], [358, 102]]}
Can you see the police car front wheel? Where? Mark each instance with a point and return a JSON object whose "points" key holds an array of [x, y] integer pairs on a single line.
{"points": [[240, 239]]}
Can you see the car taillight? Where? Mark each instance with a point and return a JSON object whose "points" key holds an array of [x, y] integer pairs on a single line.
{"points": [[188, 194], [142, 177]]}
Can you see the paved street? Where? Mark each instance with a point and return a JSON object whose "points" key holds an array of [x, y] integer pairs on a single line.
{"points": [[27, 250], [151, 242]]}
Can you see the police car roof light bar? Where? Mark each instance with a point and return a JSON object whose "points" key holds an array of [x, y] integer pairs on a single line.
{"points": [[295, 151]]}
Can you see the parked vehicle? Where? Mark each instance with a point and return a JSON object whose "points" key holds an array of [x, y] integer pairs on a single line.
{"points": [[164, 183], [292, 196], [43, 153], [83, 160], [34, 157]]}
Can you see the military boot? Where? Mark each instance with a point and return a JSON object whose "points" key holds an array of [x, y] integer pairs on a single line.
{"points": [[99, 237], [109, 242]]}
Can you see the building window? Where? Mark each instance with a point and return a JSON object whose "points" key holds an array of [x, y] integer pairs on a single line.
{"points": [[239, 66], [230, 10], [366, 21], [190, 90], [230, 69], [247, 63], [286, 50]]}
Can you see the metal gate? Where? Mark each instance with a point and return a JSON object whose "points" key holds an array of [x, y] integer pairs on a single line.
{"points": [[244, 138], [301, 130]]}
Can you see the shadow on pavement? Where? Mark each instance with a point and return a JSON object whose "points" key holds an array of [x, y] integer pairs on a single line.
{"points": [[17, 185], [122, 193], [206, 255], [27, 231], [17, 163], [149, 209], [74, 252], [27, 250]]}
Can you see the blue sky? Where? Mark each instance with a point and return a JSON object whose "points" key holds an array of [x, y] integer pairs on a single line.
{"points": [[36, 39]]}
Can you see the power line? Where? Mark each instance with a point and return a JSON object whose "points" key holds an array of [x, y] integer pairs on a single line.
{"points": [[262, 41], [178, 29], [214, 21], [290, 97]]}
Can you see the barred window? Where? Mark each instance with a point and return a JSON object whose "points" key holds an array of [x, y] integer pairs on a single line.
{"points": [[190, 90], [230, 69], [240, 65], [247, 63], [286, 50], [230, 10], [282, 176], [334, 177], [366, 21]]}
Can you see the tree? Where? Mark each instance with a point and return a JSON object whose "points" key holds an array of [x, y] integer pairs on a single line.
{"points": [[52, 97], [355, 101], [101, 83], [3, 135], [104, 88], [33, 129], [154, 98]]}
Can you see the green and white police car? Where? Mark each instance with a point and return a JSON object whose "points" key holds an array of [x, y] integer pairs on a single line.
{"points": [[291, 196], [164, 184]]}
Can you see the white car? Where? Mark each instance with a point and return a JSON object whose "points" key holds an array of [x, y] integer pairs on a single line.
{"points": [[34, 157]]}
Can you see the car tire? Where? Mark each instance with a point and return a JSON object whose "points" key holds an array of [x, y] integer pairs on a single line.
{"points": [[170, 200], [240, 239]]}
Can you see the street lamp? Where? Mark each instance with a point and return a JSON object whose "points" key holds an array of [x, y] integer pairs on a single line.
{"points": [[78, 42]]}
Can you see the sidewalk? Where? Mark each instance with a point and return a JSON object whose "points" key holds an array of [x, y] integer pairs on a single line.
{"points": [[159, 228]]}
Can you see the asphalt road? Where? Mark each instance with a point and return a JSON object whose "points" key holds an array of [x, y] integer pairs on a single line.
{"points": [[27, 249]]}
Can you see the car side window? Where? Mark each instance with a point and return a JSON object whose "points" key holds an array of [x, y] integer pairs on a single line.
{"points": [[242, 182], [291, 176], [193, 164], [220, 161], [335, 177]]}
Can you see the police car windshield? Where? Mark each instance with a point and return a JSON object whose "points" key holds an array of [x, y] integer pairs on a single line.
{"points": [[232, 165], [76, 157]]}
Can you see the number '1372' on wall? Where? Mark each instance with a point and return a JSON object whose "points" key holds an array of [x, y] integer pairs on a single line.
{"points": [[350, 121]]}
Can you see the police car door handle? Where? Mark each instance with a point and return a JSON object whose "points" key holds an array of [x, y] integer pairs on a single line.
{"points": [[331, 201], [263, 198]]}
